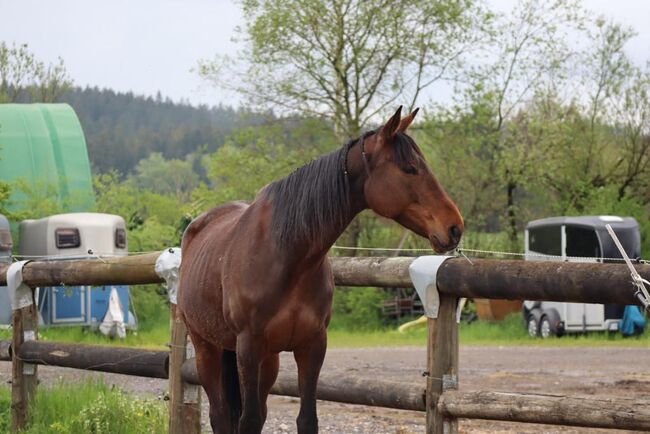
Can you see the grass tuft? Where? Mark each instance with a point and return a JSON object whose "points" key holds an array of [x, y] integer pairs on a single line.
{"points": [[90, 407]]}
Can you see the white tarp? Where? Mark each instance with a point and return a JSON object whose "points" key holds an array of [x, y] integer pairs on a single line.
{"points": [[423, 272], [113, 323], [168, 267], [19, 293]]}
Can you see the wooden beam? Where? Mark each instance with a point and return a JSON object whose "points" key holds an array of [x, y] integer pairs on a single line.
{"points": [[184, 398], [350, 389], [594, 412], [24, 375], [500, 279], [102, 358], [442, 365]]}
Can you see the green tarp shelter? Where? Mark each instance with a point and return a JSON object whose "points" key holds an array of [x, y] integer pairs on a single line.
{"points": [[44, 146]]}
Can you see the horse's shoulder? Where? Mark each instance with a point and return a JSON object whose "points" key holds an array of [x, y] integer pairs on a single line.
{"points": [[203, 220]]}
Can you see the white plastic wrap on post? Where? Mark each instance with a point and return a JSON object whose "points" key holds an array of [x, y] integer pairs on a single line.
{"points": [[168, 267], [423, 272], [19, 293]]}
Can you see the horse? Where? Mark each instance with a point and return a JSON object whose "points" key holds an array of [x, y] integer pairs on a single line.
{"points": [[255, 279]]}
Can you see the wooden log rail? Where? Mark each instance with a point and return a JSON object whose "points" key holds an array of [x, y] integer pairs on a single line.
{"points": [[594, 412], [500, 279]]}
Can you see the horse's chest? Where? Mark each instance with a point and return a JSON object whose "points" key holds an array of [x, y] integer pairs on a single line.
{"points": [[295, 324]]}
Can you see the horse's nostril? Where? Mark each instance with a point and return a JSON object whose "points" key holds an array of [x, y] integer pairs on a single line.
{"points": [[455, 233]]}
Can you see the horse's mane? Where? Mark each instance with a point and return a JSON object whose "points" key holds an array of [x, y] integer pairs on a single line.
{"points": [[316, 195]]}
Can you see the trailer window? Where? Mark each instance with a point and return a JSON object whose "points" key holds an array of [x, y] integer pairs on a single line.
{"points": [[582, 242], [67, 238], [546, 240], [120, 238], [5, 240]]}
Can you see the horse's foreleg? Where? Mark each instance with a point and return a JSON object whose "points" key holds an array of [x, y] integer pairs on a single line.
{"points": [[209, 367], [309, 360], [250, 354], [268, 375]]}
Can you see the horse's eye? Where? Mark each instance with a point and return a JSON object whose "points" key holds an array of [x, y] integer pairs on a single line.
{"points": [[410, 169]]}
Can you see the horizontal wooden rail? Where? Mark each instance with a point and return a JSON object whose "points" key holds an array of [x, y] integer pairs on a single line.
{"points": [[596, 412], [350, 389], [592, 412], [102, 358], [501, 279]]}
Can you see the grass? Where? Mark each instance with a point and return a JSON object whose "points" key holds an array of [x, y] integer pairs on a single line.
{"points": [[511, 331], [90, 407]]}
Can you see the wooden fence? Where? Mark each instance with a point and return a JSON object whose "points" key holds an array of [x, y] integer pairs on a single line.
{"points": [[438, 397]]}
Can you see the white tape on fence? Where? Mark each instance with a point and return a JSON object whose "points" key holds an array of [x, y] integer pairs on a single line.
{"points": [[168, 267], [19, 293], [423, 272]]}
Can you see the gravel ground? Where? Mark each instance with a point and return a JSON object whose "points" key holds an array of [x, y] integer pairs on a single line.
{"points": [[564, 370]]}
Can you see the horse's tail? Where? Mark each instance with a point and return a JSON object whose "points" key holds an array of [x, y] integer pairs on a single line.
{"points": [[230, 381]]}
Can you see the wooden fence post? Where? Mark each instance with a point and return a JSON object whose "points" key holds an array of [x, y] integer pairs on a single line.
{"points": [[184, 398], [24, 378], [442, 364]]}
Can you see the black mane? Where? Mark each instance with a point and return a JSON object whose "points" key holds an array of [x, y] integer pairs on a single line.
{"points": [[317, 195]]}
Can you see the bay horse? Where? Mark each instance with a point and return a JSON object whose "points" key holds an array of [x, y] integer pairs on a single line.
{"points": [[255, 279]]}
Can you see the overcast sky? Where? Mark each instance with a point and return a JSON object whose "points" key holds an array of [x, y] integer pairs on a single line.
{"points": [[150, 45]]}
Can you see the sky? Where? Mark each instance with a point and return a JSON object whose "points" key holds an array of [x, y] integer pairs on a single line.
{"points": [[146, 46]]}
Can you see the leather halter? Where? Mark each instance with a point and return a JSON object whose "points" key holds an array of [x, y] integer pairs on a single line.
{"points": [[364, 156]]}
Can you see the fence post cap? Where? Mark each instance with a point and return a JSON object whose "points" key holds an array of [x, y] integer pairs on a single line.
{"points": [[168, 267], [19, 293], [423, 272]]}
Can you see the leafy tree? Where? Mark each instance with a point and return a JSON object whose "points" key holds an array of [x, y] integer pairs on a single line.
{"points": [[25, 78], [176, 177], [348, 59]]}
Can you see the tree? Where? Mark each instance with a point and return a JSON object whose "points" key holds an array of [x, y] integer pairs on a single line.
{"points": [[162, 176], [24, 78], [348, 60]]}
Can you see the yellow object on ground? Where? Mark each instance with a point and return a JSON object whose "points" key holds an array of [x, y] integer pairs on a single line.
{"points": [[418, 322]]}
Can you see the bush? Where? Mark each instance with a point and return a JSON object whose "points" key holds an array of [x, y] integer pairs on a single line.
{"points": [[357, 308]]}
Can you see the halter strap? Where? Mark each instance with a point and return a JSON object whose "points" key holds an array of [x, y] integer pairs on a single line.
{"points": [[364, 156]]}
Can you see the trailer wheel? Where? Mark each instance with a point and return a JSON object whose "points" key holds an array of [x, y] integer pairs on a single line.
{"points": [[533, 326], [551, 324], [545, 329]]}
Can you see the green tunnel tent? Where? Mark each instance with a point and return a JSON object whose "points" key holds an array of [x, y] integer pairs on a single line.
{"points": [[43, 147]]}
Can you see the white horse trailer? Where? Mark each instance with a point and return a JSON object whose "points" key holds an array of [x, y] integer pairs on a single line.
{"points": [[75, 236], [577, 239]]}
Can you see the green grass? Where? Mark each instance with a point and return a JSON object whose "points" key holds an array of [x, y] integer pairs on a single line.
{"points": [[511, 331], [153, 337], [90, 407]]}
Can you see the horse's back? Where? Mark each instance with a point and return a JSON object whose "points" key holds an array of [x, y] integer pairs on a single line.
{"points": [[218, 215]]}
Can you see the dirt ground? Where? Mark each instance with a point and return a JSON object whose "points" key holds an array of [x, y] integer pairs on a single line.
{"points": [[564, 370]]}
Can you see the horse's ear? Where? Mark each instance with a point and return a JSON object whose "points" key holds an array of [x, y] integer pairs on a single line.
{"points": [[389, 129], [406, 122]]}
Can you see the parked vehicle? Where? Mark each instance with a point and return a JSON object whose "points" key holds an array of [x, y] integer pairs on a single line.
{"points": [[576, 239], [75, 236], [5, 257]]}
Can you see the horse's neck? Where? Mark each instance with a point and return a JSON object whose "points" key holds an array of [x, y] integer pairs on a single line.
{"points": [[356, 203]]}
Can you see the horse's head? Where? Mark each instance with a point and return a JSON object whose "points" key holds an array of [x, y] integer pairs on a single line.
{"points": [[401, 186]]}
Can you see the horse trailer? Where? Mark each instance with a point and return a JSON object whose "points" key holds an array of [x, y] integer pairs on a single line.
{"points": [[577, 239], [5, 257], [76, 236]]}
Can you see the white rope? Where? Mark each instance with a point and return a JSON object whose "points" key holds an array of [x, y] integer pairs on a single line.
{"points": [[461, 251], [637, 280]]}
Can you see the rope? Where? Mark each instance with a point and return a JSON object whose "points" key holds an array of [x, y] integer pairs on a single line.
{"points": [[461, 252]]}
